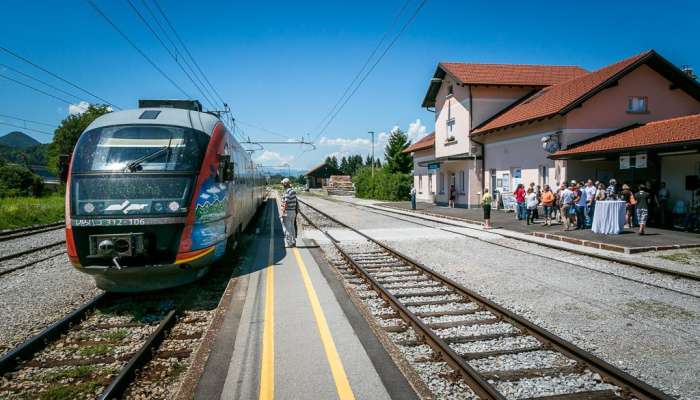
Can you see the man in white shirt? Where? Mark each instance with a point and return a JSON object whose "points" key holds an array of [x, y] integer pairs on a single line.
{"points": [[590, 190], [289, 213]]}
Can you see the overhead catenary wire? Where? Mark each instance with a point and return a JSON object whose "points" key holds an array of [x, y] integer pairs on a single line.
{"points": [[176, 50], [40, 81], [36, 89], [26, 128], [374, 65], [194, 61], [141, 52], [27, 120], [366, 63], [359, 83], [39, 67], [172, 55]]}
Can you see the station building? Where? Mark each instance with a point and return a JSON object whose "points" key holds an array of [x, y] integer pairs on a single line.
{"points": [[660, 151], [498, 125]]}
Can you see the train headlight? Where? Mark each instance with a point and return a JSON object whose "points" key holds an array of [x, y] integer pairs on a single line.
{"points": [[88, 207], [158, 207], [174, 206]]}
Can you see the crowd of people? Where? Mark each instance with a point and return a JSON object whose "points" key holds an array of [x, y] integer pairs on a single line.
{"points": [[573, 205]]}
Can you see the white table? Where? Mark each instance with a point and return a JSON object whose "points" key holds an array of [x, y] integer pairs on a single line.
{"points": [[609, 217]]}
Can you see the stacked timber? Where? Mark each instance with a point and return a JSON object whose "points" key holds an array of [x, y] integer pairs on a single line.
{"points": [[340, 185]]}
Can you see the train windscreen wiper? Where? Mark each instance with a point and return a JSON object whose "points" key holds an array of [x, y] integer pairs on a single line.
{"points": [[134, 164]]}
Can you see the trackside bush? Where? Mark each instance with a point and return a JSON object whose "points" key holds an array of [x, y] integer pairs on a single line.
{"points": [[385, 185]]}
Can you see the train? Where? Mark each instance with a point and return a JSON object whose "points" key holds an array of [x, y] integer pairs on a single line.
{"points": [[156, 195]]}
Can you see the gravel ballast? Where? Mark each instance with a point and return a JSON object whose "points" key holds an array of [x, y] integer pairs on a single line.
{"points": [[649, 331]]}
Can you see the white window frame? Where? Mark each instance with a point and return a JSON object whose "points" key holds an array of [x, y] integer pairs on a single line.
{"points": [[638, 104], [441, 183], [420, 184]]}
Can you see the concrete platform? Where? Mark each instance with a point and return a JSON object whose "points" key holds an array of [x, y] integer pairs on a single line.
{"points": [[627, 242], [291, 334]]}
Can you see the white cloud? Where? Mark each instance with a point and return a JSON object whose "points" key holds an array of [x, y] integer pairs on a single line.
{"points": [[346, 144], [77, 109], [273, 157], [416, 130]]}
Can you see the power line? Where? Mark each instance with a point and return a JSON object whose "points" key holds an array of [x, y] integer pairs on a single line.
{"points": [[123, 35], [27, 120], [174, 57], [10, 52], [25, 128], [35, 89], [263, 129], [367, 61], [175, 48], [40, 81], [167, 20], [369, 71]]}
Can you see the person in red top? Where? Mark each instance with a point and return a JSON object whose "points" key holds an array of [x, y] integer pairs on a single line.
{"points": [[520, 200]]}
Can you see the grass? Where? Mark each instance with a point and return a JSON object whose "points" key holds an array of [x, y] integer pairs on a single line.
{"points": [[65, 392], [18, 212], [117, 335], [95, 350], [689, 257], [80, 371]]}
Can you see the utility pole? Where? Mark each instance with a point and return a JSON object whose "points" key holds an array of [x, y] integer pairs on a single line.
{"points": [[372, 133]]}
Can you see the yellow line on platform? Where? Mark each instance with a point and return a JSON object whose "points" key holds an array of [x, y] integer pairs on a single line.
{"points": [[267, 368], [342, 384]]}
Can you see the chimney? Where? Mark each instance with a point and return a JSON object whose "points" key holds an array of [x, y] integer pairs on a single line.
{"points": [[688, 70]]}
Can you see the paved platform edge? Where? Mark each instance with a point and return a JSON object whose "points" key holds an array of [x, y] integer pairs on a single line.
{"points": [[394, 380]]}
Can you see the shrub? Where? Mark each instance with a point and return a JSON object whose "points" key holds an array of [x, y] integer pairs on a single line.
{"points": [[17, 180], [384, 185]]}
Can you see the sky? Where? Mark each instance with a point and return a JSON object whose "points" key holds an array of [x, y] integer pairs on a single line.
{"points": [[281, 66]]}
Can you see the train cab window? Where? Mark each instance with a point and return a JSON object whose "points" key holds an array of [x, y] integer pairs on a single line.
{"points": [[136, 148]]}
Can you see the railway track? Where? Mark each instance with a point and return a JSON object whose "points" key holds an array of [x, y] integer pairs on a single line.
{"points": [[30, 230], [123, 346], [617, 260], [97, 347], [30, 257], [497, 353]]}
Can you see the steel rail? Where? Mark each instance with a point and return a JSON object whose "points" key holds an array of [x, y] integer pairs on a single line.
{"points": [[142, 356], [29, 264], [29, 230], [603, 257], [31, 346], [629, 385], [422, 216], [32, 250]]}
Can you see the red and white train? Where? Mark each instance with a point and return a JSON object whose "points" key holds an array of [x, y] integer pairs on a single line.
{"points": [[156, 195]]}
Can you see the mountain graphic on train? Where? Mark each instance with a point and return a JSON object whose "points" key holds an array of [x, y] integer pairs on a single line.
{"points": [[155, 195]]}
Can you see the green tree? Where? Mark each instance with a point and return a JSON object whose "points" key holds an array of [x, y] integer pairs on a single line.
{"points": [[344, 167], [18, 180], [66, 135], [396, 159]]}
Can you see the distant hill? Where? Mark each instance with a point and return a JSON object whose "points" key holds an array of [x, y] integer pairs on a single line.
{"points": [[18, 140]]}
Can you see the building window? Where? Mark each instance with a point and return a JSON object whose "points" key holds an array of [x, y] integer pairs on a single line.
{"points": [[420, 184], [544, 175], [430, 183], [461, 182], [637, 104], [441, 184]]}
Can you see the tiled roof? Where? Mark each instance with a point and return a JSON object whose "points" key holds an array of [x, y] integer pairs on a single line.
{"points": [[555, 99], [666, 131], [511, 74], [426, 142]]}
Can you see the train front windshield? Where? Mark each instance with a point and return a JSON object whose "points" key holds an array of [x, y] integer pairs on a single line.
{"points": [[131, 170]]}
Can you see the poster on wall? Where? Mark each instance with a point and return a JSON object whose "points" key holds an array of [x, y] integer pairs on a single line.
{"points": [[517, 177], [506, 183], [624, 162], [641, 160], [509, 202]]}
